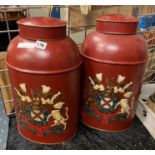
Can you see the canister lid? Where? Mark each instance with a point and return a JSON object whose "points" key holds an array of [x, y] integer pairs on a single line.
{"points": [[42, 28], [117, 24], [42, 22]]}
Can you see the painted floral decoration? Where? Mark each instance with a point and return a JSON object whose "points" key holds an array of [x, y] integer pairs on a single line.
{"points": [[41, 108], [109, 96]]}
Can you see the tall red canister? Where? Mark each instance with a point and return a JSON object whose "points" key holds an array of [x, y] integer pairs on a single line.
{"points": [[44, 69], [114, 63]]}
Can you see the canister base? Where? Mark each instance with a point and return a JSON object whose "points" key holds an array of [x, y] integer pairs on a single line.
{"points": [[37, 142], [105, 129]]}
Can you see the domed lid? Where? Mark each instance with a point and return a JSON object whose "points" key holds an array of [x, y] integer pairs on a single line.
{"points": [[41, 28], [117, 24]]}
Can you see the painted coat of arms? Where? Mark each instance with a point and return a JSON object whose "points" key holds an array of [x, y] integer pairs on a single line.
{"points": [[110, 98], [41, 112]]}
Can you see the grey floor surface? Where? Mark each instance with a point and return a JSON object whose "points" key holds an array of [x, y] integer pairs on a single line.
{"points": [[135, 138], [4, 121]]}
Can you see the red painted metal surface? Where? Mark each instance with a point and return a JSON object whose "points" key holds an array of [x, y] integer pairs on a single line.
{"points": [[114, 63], [46, 80]]}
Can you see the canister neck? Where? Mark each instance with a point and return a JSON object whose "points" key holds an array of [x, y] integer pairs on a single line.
{"points": [[117, 24], [42, 28]]}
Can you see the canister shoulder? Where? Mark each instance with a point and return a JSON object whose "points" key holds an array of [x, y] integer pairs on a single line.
{"points": [[58, 55], [117, 49]]}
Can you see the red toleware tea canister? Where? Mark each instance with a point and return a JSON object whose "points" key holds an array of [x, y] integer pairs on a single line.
{"points": [[114, 63], [44, 69]]}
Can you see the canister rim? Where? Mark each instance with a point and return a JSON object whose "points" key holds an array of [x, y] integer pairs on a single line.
{"points": [[44, 72], [113, 62]]}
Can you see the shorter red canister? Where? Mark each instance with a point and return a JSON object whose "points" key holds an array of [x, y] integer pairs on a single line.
{"points": [[114, 63]]}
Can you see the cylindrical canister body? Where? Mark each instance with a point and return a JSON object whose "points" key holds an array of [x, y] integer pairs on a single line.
{"points": [[114, 63], [44, 69]]}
